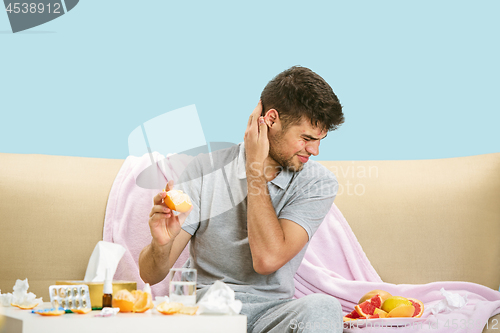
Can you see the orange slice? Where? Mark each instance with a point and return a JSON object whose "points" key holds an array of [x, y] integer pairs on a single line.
{"points": [[178, 201], [381, 313], [189, 310], [143, 301], [25, 307], [168, 308], [402, 311], [53, 312], [82, 310]]}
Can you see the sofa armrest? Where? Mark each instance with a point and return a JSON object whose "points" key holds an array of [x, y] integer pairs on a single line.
{"points": [[493, 325]]}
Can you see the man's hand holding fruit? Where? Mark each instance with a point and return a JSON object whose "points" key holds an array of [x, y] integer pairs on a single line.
{"points": [[163, 223]]}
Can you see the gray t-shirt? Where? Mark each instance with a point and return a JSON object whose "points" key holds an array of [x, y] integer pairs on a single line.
{"points": [[219, 250]]}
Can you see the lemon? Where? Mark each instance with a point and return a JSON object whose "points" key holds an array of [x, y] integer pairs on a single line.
{"points": [[393, 302]]}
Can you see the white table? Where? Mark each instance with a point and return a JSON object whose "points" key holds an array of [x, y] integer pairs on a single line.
{"points": [[14, 320]]}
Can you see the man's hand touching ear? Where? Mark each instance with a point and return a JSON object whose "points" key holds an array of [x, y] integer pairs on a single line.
{"points": [[256, 143]]}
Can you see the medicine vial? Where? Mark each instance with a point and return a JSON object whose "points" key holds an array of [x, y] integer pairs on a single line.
{"points": [[107, 297]]}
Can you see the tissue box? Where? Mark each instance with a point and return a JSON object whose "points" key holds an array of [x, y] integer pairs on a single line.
{"points": [[96, 289]]}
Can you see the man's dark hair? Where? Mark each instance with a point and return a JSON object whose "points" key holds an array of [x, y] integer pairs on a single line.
{"points": [[299, 92]]}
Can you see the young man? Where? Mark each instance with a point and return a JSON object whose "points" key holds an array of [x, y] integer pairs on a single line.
{"points": [[256, 205]]}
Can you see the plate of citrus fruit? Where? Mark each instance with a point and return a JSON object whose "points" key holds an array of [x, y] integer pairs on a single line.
{"points": [[380, 306]]}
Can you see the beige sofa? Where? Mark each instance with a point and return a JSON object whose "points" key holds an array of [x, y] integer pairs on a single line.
{"points": [[418, 221]]}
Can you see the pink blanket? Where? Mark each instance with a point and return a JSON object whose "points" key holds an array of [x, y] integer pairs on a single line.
{"points": [[334, 263]]}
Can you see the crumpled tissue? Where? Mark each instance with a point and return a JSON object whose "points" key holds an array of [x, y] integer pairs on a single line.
{"points": [[160, 299], [20, 296], [219, 299], [451, 301], [105, 256]]}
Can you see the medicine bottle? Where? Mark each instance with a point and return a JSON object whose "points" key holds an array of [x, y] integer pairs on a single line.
{"points": [[107, 297]]}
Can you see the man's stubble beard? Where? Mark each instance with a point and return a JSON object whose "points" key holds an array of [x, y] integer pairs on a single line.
{"points": [[274, 152]]}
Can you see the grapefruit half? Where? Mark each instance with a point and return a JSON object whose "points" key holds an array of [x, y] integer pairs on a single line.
{"points": [[419, 307], [368, 307]]}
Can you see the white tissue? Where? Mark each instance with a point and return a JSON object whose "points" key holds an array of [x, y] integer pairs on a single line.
{"points": [[106, 255], [20, 296], [451, 302], [160, 299], [5, 299], [219, 299]]}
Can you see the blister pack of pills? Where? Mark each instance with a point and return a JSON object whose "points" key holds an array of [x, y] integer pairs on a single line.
{"points": [[70, 296]]}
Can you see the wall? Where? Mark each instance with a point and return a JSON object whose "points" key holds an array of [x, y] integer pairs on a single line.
{"points": [[417, 80]]}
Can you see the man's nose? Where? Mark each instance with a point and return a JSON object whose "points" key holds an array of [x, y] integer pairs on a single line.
{"points": [[313, 148]]}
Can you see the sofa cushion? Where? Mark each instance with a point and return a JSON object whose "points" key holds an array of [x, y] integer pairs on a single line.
{"points": [[425, 220]]}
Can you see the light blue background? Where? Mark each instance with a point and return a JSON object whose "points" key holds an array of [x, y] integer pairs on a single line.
{"points": [[417, 79]]}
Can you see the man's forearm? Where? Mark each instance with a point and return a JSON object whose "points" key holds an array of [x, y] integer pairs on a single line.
{"points": [[154, 263], [265, 234]]}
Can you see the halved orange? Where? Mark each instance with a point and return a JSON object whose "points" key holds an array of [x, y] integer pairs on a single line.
{"points": [[178, 201], [123, 300], [135, 301]]}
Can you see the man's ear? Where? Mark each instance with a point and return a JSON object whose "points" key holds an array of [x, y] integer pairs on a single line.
{"points": [[272, 118]]}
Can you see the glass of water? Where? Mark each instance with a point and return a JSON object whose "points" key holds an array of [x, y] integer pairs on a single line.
{"points": [[182, 286]]}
